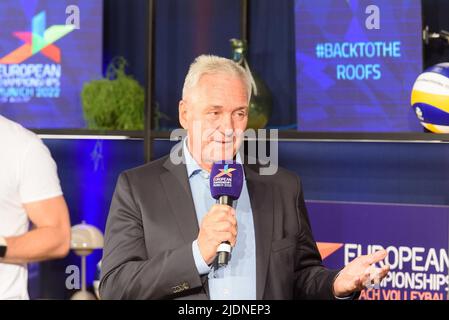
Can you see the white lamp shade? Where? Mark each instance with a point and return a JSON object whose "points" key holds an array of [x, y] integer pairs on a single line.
{"points": [[86, 237]]}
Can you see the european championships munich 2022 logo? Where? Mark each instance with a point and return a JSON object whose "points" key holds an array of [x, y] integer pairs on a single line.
{"points": [[224, 177], [20, 81]]}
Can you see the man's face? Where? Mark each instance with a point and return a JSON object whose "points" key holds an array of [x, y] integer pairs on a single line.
{"points": [[215, 114]]}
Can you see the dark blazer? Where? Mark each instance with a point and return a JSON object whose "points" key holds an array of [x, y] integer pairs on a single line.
{"points": [[152, 223]]}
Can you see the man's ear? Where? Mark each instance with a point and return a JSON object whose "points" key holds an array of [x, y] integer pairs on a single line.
{"points": [[183, 114]]}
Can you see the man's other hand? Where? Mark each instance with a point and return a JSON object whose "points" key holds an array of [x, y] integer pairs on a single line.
{"points": [[359, 274]]}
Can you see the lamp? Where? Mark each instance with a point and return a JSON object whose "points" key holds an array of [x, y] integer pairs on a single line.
{"points": [[85, 239]]}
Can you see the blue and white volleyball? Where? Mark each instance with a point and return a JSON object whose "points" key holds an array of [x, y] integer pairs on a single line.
{"points": [[430, 98]]}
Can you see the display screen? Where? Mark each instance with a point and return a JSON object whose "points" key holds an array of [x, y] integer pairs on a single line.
{"points": [[356, 64], [48, 50]]}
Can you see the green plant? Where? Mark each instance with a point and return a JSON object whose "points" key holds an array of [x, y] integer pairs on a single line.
{"points": [[115, 102]]}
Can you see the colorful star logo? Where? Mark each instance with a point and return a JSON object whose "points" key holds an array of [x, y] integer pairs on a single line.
{"points": [[38, 40], [225, 171]]}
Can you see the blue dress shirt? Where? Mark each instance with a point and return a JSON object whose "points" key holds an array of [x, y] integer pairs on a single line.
{"points": [[237, 280]]}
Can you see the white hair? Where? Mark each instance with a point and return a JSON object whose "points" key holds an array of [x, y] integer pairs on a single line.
{"points": [[209, 64]]}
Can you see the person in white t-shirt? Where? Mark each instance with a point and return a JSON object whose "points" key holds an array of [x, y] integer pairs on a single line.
{"points": [[29, 193]]}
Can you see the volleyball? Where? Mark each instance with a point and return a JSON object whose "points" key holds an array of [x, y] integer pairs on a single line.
{"points": [[430, 98]]}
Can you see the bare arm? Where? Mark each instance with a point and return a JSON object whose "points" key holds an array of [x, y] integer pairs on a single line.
{"points": [[50, 237]]}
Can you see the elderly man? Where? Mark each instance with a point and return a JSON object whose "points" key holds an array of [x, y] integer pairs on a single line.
{"points": [[164, 227], [29, 191]]}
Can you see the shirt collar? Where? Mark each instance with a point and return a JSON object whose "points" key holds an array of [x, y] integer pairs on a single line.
{"points": [[192, 166]]}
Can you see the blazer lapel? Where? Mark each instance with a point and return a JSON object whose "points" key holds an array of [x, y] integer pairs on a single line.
{"points": [[261, 197], [177, 189]]}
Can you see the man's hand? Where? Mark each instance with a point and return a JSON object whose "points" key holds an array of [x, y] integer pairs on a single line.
{"points": [[218, 225], [356, 274]]}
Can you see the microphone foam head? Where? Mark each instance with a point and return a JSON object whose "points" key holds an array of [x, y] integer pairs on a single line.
{"points": [[226, 179]]}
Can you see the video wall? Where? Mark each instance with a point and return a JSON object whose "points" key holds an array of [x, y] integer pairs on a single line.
{"points": [[48, 50], [356, 64]]}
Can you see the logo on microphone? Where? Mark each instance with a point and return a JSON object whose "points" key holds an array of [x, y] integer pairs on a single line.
{"points": [[224, 177], [225, 171]]}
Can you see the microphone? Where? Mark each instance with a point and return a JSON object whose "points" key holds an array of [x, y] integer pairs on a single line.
{"points": [[226, 182]]}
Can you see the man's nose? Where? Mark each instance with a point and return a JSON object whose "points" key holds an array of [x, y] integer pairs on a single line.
{"points": [[226, 126]]}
